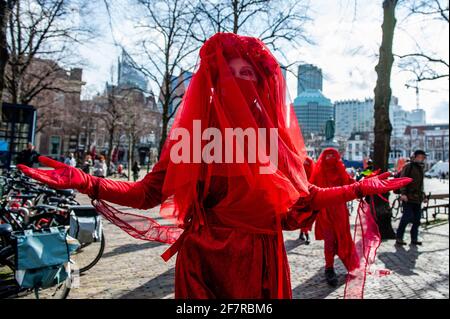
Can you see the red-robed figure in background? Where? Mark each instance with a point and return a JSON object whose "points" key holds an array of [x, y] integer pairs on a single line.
{"points": [[333, 222], [308, 165], [228, 217]]}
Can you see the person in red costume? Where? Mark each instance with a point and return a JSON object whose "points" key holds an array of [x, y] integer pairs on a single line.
{"points": [[309, 168], [228, 216], [333, 222]]}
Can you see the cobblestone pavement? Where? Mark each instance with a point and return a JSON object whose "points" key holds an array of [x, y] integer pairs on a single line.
{"points": [[132, 268]]}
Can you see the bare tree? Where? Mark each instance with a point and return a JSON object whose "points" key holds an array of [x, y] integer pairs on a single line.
{"points": [[273, 21], [135, 124], [424, 64], [6, 7], [44, 30], [112, 109], [167, 50], [383, 127], [83, 121]]}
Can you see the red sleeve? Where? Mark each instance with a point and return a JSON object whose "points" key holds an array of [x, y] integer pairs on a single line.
{"points": [[324, 197], [143, 194], [301, 215]]}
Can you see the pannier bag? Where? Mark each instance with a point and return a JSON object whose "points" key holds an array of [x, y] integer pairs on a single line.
{"points": [[85, 224], [42, 257]]}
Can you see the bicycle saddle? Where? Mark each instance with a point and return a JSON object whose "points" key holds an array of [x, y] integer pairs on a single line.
{"points": [[5, 229], [66, 192]]}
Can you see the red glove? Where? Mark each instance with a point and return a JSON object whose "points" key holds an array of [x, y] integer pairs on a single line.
{"points": [[62, 177], [324, 197], [143, 194]]}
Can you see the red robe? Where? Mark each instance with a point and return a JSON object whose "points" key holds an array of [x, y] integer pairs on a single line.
{"points": [[219, 261], [333, 223], [225, 262]]}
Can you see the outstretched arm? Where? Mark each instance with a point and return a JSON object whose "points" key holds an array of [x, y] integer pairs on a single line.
{"points": [[324, 197], [142, 195]]}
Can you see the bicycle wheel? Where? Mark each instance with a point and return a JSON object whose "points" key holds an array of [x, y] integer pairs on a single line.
{"points": [[89, 254], [396, 206], [60, 291], [10, 289]]}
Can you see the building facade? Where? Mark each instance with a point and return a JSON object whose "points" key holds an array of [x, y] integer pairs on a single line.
{"points": [[359, 146], [417, 117], [313, 110], [433, 138], [309, 78], [353, 116], [128, 75]]}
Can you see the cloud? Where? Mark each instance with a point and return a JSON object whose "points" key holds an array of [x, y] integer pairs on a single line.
{"points": [[438, 113]]}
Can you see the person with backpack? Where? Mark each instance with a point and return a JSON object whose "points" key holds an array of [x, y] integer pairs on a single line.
{"points": [[412, 196]]}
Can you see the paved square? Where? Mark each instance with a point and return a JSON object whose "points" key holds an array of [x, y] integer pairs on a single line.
{"points": [[131, 268]]}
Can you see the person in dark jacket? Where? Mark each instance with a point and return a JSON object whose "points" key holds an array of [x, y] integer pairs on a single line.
{"points": [[412, 197], [28, 156], [136, 169]]}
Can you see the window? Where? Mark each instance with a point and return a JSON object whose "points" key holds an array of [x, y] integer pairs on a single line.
{"points": [[55, 145]]}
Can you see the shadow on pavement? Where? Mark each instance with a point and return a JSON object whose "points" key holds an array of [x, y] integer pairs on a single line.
{"points": [[159, 287], [129, 248], [316, 287], [291, 244], [401, 261]]}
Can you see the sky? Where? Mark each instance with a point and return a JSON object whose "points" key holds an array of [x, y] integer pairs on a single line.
{"points": [[346, 42]]}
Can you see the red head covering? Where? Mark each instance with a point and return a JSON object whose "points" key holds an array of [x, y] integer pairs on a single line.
{"points": [[329, 170], [309, 167], [238, 84]]}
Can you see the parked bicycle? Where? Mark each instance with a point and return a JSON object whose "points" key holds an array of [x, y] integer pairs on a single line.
{"points": [[26, 205]]}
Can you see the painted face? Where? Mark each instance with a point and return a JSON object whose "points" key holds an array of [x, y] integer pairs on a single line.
{"points": [[241, 69]]}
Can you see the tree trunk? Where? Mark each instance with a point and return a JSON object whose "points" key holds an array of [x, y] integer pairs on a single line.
{"points": [[163, 134], [112, 131], [130, 152], [5, 8], [383, 127]]}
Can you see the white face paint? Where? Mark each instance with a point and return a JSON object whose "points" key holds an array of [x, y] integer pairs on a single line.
{"points": [[242, 69]]}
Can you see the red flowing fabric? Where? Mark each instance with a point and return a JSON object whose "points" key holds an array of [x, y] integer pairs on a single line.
{"points": [[238, 84], [309, 167], [367, 240]]}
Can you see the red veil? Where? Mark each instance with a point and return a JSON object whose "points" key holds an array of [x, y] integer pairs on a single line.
{"points": [[220, 100]]}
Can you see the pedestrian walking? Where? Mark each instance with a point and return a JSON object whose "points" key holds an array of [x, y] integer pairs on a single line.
{"points": [[87, 164], [135, 169], [412, 196]]}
